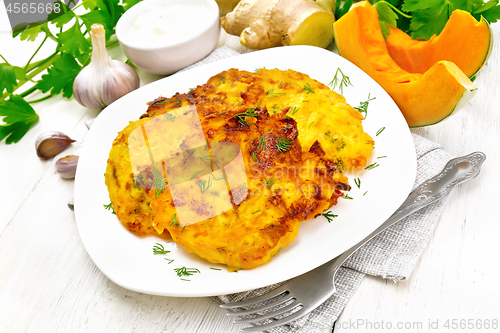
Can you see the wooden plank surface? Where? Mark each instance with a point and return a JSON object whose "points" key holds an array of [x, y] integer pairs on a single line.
{"points": [[49, 284]]}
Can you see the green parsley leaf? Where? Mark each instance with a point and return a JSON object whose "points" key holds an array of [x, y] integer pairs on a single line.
{"points": [[73, 42], [31, 33], [89, 4], [9, 75], [386, 15], [60, 76], [430, 16], [19, 116], [64, 15]]}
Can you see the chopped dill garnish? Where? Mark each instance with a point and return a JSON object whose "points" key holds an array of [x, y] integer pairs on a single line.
{"points": [[208, 160], [170, 117], [169, 260], [269, 183], [176, 101], [329, 216], [382, 157], [158, 182], [345, 196], [357, 181], [310, 125], [185, 280], [372, 166], [184, 227], [174, 221], [262, 142], [380, 131], [254, 156], [295, 109], [196, 174], [204, 185], [279, 85], [215, 269], [344, 82], [363, 106], [283, 145], [256, 211], [110, 207], [274, 94], [365, 193], [159, 249], [183, 271], [250, 113], [308, 88]]}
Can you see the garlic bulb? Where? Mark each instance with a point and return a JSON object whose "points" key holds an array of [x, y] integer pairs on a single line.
{"points": [[66, 166], [104, 80], [49, 144]]}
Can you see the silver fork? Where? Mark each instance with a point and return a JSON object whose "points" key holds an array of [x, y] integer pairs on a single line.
{"points": [[304, 293]]}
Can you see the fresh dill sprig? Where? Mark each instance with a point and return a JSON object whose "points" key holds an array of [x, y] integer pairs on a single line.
{"points": [[250, 113], [204, 185], [184, 271], [110, 207], [170, 117], [158, 182], [262, 142], [256, 211], [208, 160], [308, 88], [363, 106], [275, 94], [215, 269], [344, 82], [283, 145], [169, 260], [345, 196], [295, 109], [159, 249], [357, 181], [254, 156], [174, 221], [372, 166], [269, 183], [196, 174], [380, 131], [329, 216]]}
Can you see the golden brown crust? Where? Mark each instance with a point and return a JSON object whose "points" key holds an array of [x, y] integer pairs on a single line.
{"points": [[292, 166]]}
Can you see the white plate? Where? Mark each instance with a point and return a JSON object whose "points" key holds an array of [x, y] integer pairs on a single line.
{"points": [[128, 260]]}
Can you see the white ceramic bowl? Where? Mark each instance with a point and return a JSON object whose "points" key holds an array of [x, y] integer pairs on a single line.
{"points": [[169, 58]]}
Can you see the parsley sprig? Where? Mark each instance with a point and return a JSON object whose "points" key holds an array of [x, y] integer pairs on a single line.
{"points": [[71, 53], [424, 18]]}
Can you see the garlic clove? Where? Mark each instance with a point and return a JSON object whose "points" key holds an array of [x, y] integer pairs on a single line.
{"points": [[104, 80], [66, 166], [49, 144]]}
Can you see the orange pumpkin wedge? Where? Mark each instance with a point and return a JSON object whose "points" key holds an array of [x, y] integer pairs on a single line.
{"points": [[463, 41], [424, 99]]}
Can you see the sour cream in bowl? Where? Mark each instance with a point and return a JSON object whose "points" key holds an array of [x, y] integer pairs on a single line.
{"points": [[164, 36]]}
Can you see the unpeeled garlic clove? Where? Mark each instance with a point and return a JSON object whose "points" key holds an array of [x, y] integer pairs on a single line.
{"points": [[49, 144], [104, 80], [66, 166]]}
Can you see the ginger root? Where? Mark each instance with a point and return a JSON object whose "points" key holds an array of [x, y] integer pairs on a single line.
{"points": [[226, 6], [268, 23]]}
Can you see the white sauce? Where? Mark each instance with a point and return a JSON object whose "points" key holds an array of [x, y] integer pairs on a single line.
{"points": [[166, 25]]}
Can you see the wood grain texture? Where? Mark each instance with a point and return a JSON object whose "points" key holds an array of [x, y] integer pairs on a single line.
{"points": [[49, 284]]}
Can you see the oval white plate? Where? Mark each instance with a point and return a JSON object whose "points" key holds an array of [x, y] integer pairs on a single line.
{"points": [[128, 260]]}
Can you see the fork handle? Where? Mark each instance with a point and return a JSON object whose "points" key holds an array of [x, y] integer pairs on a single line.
{"points": [[456, 171]]}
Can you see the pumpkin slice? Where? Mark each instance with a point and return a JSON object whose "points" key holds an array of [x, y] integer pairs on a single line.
{"points": [[463, 41], [424, 99]]}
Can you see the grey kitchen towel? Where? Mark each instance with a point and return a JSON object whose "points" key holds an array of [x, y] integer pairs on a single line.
{"points": [[391, 255]]}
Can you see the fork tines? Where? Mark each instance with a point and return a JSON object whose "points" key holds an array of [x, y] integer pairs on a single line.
{"points": [[275, 303]]}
